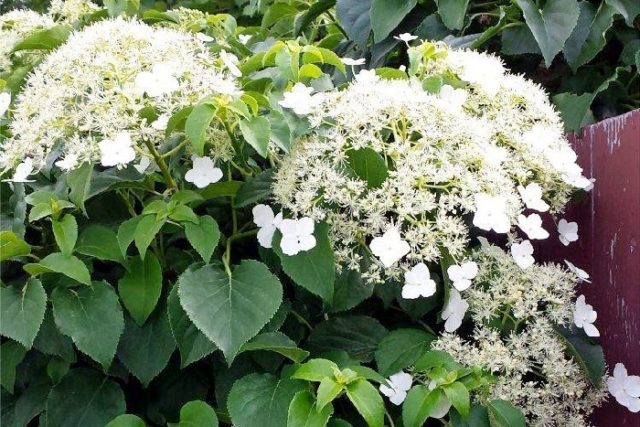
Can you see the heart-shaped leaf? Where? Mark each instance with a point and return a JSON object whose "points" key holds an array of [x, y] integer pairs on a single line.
{"points": [[22, 311]]}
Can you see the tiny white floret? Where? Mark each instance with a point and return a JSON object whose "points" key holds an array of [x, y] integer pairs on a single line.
{"points": [[203, 172], [454, 311], [522, 253], [244, 38], [625, 388], [297, 235], [267, 223], [390, 247], [567, 231], [462, 275], [399, 385], [418, 282], [583, 317], [405, 37]]}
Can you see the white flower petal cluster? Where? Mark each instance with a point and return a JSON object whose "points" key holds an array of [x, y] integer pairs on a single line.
{"points": [[267, 223], [203, 172], [297, 234], [522, 253], [399, 385], [300, 99], [567, 231], [462, 275], [14, 27], [584, 316], [93, 88], [5, 101], [448, 157], [454, 311], [625, 388], [418, 282], [71, 10]]}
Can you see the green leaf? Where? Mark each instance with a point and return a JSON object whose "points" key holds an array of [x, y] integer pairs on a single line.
{"points": [[350, 290], [183, 214], [51, 341], [589, 36], [401, 348], [230, 310], [197, 124], [315, 370], [386, 15], [45, 40], [256, 132], [95, 400], [145, 350], [586, 353], [12, 354], [30, 403], [355, 18], [100, 242], [327, 391], [552, 25], [304, 413], [118, 7], [126, 420], [459, 397], [316, 9], [419, 404], [435, 359], [146, 231], [192, 344], [261, 397], [79, 181], [519, 40], [65, 231], [12, 246], [203, 236], [367, 401], [255, 190], [357, 335], [314, 269], [629, 9], [369, 166], [22, 311], [504, 414], [574, 109], [452, 12], [92, 317], [68, 265], [197, 414], [126, 233], [277, 342], [141, 286]]}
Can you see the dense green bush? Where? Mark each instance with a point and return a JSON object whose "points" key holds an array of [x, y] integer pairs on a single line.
{"points": [[147, 149]]}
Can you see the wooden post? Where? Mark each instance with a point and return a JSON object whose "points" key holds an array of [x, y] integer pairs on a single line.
{"points": [[609, 244]]}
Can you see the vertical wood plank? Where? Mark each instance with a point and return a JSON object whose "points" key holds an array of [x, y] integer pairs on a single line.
{"points": [[609, 244]]}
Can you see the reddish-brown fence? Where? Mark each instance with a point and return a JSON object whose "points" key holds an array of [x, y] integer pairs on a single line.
{"points": [[609, 245]]}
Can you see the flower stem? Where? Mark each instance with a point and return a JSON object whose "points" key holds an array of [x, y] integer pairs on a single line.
{"points": [[162, 165]]}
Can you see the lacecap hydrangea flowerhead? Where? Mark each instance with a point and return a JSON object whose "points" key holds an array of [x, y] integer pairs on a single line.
{"points": [[14, 27], [456, 147], [522, 318], [109, 88], [70, 11]]}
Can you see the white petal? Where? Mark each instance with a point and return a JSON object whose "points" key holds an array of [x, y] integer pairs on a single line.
{"points": [[288, 227], [410, 292], [462, 284], [306, 242], [401, 380], [632, 386], [289, 244], [591, 330], [262, 215], [441, 408], [398, 397], [265, 236], [305, 225]]}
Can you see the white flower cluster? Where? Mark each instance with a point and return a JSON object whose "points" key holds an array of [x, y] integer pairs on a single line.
{"points": [[87, 99], [14, 27], [71, 10], [450, 157]]}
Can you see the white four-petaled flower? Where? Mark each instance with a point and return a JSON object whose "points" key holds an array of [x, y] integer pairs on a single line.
{"points": [[625, 388], [142, 165], [352, 61], [532, 226], [522, 253], [418, 282], [390, 247], [244, 38], [5, 100], [583, 317], [204, 37], [454, 311], [69, 162], [300, 100], [231, 62], [399, 385], [157, 82], [203, 172], [462, 275], [267, 223], [297, 235], [405, 37], [582, 275], [491, 213], [567, 231], [117, 151], [532, 197]]}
